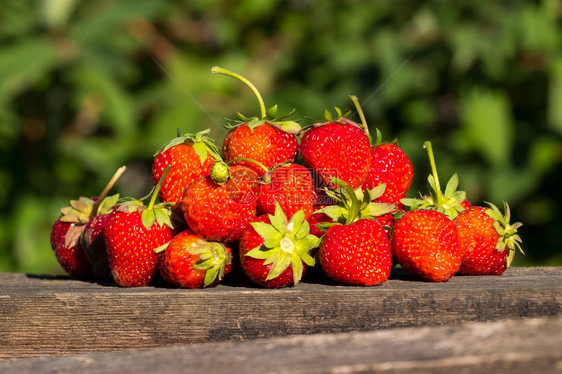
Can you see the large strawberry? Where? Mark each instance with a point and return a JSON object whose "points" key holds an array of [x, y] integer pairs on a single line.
{"points": [[132, 233], [190, 156], [337, 149], [191, 262], [426, 244], [219, 206], [275, 251], [72, 253], [355, 250], [291, 186], [268, 139], [487, 239]]}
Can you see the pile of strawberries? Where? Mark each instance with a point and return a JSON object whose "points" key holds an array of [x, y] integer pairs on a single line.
{"points": [[256, 206]]}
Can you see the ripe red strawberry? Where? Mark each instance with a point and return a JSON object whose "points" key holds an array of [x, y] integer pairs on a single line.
{"points": [[426, 244], [269, 140], [219, 207], [291, 186], [92, 241], [70, 250], [191, 262], [132, 233], [274, 251], [356, 253], [317, 219], [190, 157], [337, 149], [487, 239]]}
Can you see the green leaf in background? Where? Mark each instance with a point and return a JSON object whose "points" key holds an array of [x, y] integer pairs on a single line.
{"points": [[488, 125], [555, 96]]}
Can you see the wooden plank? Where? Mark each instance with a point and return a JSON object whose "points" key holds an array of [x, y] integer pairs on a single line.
{"points": [[522, 346], [52, 316]]}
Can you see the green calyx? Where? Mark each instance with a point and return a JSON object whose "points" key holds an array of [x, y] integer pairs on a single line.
{"points": [[286, 243], [353, 205], [266, 115], [202, 144], [508, 240], [448, 202], [160, 213], [213, 258]]}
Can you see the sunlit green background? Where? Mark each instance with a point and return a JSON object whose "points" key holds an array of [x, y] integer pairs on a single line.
{"points": [[88, 86]]}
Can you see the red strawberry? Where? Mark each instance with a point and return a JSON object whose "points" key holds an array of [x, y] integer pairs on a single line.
{"points": [[190, 157], [191, 262], [269, 140], [70, 251], [93, 242], [274, 251], [291, 186], [487, 240], [337, 149], [317, 219], [426, 244], [132, 233], [219, 207], [356, 253]]}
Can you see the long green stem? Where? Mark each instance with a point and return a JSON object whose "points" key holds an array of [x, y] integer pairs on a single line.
{"points": [[106, 190], [157, 188], [361, 114], [262, 166], [438, 195], [219, 70]]}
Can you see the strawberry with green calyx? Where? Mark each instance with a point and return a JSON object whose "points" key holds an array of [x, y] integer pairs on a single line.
{"points": [[337, 149], [289, 185], [219, 206], [451, 202], [191, 262], [275, 251], [389, 165], [426, 244], [487, 239], [355, 250], [190, 157], [268, 139], [132, 233], [72, 253]]}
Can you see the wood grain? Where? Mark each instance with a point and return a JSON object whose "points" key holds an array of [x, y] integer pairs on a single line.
{"points": [[522, 346], [42, 316]]}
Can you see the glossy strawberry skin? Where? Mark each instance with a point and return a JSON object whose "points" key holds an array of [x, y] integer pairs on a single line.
{"points": [[356, 254], [478, 239], [130, 248], [221, 213], [176, 264], [426, 244], [266, 144], [390, 165], [338, 150], [254, 268], [291, 186], [71, 257], [93, 243], [185, 168]]}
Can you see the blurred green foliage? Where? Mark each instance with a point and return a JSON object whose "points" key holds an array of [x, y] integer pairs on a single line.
{"points": [[87, 86]]}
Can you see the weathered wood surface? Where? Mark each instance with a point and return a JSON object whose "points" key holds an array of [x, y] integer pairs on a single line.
{"points": [[522, 346], [51, 316]]}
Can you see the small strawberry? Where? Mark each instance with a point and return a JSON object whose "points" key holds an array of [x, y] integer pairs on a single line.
{"points": [[487, 239], [219, 207], [337, 149], [426, 244], [355, 250], [72, 253], [274, 251], [191, 262], [269, 140], [291, 186], [450, 202], [190, 157], [132, 233]]}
